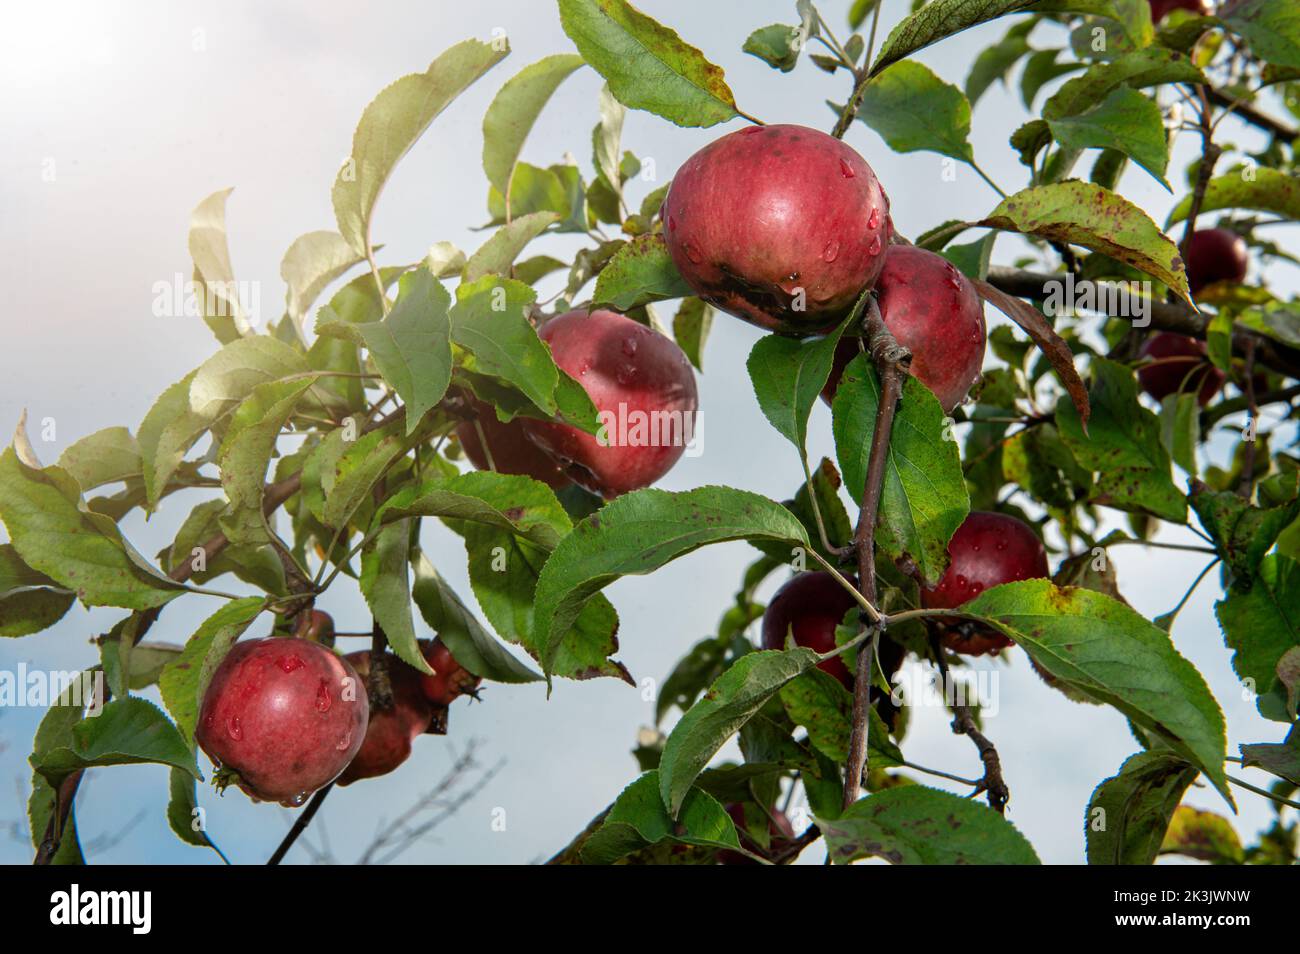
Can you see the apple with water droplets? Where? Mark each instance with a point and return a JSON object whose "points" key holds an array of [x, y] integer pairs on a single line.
{"points": [[644, 390], [286, 715], [390, 732], [810, 606], [1216, 255], [988, 549], [783, 226], [508, 449], [1176, 363], [933, 310]]}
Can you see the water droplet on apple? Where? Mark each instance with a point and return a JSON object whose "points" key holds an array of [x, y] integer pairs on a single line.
{"points": [[831, 251], [692, 252], [874, 249], [323, 700], [345, 741], [750, 130], [1002, 544], [873, 220], [234, 728], [629, 346], [289, 663], [626, 374], [295, 801], [846, 170]]}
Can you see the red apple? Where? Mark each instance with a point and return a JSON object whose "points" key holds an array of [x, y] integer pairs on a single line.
{"points": [[782, 226], [1216, 255], [811, 605], [390, 733], [780, 831], [512, 451], [1162, 8], [988, 549], [450, 680], [934, 311], [644, 389], [318, 627], [287, 715], [1178, 363]]}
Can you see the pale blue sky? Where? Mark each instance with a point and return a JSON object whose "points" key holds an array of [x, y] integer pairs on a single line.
{"points": [[140, 126]]}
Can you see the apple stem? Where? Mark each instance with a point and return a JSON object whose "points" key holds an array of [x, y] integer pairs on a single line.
{"points": [[892, 361]]}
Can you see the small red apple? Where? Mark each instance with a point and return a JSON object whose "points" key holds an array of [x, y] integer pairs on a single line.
{"points": [[781, 834], [318, 627], [1216, 255], [811, 605], [512, 451], [1178, 363], [287, 715], [783, 226], [934, 311], [988, 549], [450, 680], [1162, 8], [642, 385], [390, 733]]}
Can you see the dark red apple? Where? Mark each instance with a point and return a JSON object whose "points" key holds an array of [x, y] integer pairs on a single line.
{"points": [[642, 385], [988, 549], [780, 832], [287, 715], [1177, 363], [1162, 8], [512, 451], [318, 627], [782, 226], [450, 680], [1216, 255], [934, 311], [390, 732], [812, 605]]}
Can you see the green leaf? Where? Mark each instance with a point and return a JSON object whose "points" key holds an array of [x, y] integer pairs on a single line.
{"points": [[640, 532], [489, 321], [515, 109], [1272, 28], [915, 825], [54, 731], [510, 502], [1103, 649], [84, 552], [1122, 445], [104, 457], [1280, 758], [385, 584], [169, 429], [1260, 619], [182, 800], [638, 819], [1180, 429], [412, 346], [126, 732], [692, 674], [788, 374], [1080, 213], [817, 701], [1132, 16], [30, 601], [230, 375], [994, 62], [213, 273], [1040, 69], [1242, 533], [1204, 836], [1125, 121], [1260, 190], [312, 262], [185, 679], [937, 20], [1129, 813], [777, 45], [472, 645], [730, 702], [348, 480], [640, 272], [913, 110], [647, 65], [691, 327], [391, 124], [246, 453], [1281, 324], [498, 253], [923, 499], [1152, 66]]}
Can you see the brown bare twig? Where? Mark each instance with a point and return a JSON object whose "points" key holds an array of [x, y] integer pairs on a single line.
{"points": [[963, 723]]}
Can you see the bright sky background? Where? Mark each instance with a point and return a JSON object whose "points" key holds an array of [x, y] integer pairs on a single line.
{"points": [[142, 109]]}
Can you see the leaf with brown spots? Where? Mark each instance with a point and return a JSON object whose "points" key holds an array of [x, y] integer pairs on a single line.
{"points": [[1129, 812]]}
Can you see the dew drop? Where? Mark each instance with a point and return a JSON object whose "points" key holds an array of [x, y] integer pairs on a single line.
{"points": [[625, 375], [289, 663], [672, 223], [629, 346], [234, 728], [345, 741], [323, 700], [846, 170], [875, 246], [1002, 544], [873, 220], [295, 801], [750, 130], [831, 251], [692, 253]]}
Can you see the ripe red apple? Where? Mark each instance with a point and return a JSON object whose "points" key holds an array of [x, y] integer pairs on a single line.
{"points": [[934, 311], [1178, 363], [812, 605], [988, 549], [780, 831], [389, 735], [644, 389], [512, 451], [1162, 8], [318, 627], [287, 715], [766, 216], [1216, 255], [450, 680]]}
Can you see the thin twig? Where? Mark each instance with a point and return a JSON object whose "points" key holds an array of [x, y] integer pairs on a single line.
{"points": [[963, 723], [300, 825]]}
